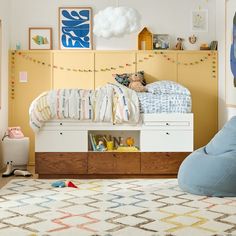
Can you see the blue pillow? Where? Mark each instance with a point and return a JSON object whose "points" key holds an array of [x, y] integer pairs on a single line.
{"points": [[224, 140]]}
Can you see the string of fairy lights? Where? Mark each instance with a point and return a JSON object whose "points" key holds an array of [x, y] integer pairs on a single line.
{"points": [[142, 59]]}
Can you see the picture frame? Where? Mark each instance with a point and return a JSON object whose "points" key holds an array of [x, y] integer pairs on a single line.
{"points": [[75, 28], [199, 20], [40, 38], [161, 41]]}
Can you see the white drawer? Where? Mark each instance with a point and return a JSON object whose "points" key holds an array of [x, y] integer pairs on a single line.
{"points": [[60, 124], [166, 141], [172, 121], [168, 123], [61, 141]]}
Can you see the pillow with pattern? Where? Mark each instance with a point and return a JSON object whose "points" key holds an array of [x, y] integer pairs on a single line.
{"points": [[167, 87], [124, 78]]}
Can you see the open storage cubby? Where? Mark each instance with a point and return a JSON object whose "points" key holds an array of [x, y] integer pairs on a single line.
{"points": [[117, 137]]}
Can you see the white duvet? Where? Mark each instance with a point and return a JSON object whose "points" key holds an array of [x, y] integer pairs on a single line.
{"points": [[111, 103]]}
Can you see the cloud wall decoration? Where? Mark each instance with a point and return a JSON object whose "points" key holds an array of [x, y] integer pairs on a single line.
{"points": [[116, 22]]}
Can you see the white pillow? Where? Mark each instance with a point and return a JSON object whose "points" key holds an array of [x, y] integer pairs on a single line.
{"points": [[167, 87]]}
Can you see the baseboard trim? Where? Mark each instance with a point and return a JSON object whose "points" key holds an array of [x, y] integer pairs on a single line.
{"points": [[32, 163]]}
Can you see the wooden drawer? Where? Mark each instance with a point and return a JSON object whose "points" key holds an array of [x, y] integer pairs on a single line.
{"points": [[60, 163], [61, 141], [161, 163], [166, 141], [113, 163]]}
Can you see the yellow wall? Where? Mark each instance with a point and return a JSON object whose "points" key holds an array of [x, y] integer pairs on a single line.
{"points": [[197, 70]]}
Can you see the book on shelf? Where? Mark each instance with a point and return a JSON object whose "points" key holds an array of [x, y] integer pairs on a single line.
{"points": [[92, 141]]}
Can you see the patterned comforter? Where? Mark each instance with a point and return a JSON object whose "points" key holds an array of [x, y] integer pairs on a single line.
{"points": [[164, 103], [111, 103]]}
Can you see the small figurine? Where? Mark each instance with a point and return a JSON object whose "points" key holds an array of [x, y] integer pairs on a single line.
{"points": [[192, 39], [101, 147], [121, 141], [179, 45], [130, 141]]}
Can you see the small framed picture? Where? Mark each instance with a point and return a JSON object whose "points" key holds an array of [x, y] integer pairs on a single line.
{"points": [[75, 28], [200, 21], [161, 41], [40, 38]]}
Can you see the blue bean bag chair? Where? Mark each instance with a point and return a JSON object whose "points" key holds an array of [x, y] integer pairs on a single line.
{"points": [[211, 170]]}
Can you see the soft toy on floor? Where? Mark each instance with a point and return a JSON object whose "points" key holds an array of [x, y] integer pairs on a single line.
{"points": [[136, 82], [62, 184]]}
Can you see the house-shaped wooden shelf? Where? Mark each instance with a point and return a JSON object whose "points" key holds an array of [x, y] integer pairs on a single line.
{"points": [[145, 39]]}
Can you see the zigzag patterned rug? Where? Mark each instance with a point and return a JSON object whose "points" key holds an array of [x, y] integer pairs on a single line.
{"points": [[112, 207]]}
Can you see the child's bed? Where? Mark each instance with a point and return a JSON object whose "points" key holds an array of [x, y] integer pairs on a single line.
{"points": [[159, 120]]}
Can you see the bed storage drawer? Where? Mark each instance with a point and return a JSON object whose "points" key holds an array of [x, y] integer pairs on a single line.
{"points": [[169, 124], [113, 163], [61, 141], [166, 141], [61, 163], [173, 121], [162, 162]]}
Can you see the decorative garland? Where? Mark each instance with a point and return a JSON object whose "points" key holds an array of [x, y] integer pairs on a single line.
{"points": [[113, 68], [12, 81], [148, 57]]}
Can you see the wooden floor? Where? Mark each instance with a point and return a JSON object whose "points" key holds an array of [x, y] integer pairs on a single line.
{"points": [[5, 180]]}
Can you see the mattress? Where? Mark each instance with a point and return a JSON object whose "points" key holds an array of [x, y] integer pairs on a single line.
{"points": [[164, 103]]}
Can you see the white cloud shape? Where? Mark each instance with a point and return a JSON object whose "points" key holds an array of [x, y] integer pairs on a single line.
{"points": [[116, 22]]}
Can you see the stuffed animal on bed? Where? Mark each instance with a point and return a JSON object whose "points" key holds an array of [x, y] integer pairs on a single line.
{"points": [[136, 82]]}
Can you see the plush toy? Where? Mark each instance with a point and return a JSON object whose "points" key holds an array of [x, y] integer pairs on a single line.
{"points": [[130, 141], [101, 147], [62, 184], [136, 82]]}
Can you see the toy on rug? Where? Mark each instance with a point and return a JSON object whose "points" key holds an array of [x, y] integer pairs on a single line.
{"points": [[62, 184], [136, 82]]}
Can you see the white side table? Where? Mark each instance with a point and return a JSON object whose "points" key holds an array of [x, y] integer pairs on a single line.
{"points": [[15, 150]]}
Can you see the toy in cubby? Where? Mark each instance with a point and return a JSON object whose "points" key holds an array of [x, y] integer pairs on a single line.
{"points": [[101, 147], [103, 143]]}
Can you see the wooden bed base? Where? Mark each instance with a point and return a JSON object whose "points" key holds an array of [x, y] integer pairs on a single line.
{"points": [[108, 164]]}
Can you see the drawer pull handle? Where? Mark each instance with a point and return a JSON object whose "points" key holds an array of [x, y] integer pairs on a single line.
{"points": [[60, 133], [167, 124], [167, 133], [60, 123]]}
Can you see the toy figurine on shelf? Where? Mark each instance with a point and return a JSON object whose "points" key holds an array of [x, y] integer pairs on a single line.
{"points": [[121, 141], [101, 147], [179, 45], [130, 141], [192, 39]]}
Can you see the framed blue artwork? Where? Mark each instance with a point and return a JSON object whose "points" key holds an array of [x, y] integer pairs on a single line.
{"points": [[75, 28]]}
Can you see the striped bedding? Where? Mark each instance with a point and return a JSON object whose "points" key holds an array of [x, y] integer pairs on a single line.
{"points": [[111, 103]]}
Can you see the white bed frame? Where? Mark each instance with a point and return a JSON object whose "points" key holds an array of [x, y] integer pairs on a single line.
{"points": [[62, 148], [156, 133]]}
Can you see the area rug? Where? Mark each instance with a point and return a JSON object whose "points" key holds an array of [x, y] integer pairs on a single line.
{"points": [[140, 207]]}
